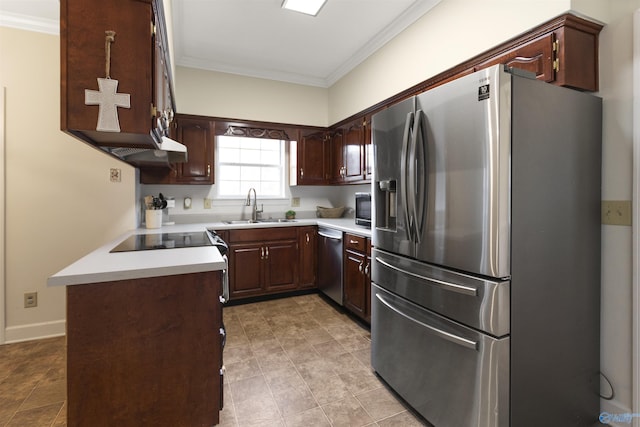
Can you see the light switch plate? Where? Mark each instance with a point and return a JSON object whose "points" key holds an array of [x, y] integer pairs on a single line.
{"points": [[616, 212]]}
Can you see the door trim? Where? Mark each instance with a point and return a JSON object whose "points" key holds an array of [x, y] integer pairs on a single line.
{"points": [[635, 345], [3, 237]]}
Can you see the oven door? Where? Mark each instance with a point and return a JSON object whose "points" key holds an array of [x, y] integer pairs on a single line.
{"points": [[451, 374]]}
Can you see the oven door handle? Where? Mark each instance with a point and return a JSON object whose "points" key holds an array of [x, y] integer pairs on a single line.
{"points": [[461, 289], [435, 331], [225, 281]]}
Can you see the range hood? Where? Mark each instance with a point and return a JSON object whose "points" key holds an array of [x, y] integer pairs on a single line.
{"points": [[166, 152]]}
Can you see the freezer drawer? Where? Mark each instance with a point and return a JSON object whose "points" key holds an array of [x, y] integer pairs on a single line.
{"points": [[452, 375], [477, 302]]}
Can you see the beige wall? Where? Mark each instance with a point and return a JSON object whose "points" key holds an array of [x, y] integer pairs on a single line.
{"points": [[616, 89], [75, 186], [227, 95], [60, 203], [455, 31], [452, 32]]}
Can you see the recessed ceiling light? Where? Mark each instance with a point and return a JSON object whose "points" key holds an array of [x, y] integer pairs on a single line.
{"points": [[309, 7]]}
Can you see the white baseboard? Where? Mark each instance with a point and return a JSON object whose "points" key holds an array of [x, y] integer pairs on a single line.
{"points": [[615, 414], [34, 331]]}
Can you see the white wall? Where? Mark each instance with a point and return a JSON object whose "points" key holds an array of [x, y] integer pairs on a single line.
{"points": [[60, 203]]}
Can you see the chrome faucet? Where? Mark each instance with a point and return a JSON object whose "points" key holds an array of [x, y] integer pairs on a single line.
{"points": [[256, 211]]}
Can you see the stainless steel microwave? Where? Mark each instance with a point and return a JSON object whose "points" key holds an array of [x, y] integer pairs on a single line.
{"points": [[363, 209]]}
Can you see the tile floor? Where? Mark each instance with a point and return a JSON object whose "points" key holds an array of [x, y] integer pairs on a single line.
{"points": [[290, 362]]}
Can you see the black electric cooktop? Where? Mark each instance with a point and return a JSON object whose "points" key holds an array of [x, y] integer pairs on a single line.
{"points": [[145, 242]]}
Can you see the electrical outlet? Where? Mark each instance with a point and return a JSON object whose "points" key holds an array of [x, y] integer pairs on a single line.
{"points": [[295, 202], [30, 299], [116, 175], [187, 202], [616, 212], [207, 203]]}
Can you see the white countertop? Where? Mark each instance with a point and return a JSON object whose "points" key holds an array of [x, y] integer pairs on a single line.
{"points": [[103, 266]]}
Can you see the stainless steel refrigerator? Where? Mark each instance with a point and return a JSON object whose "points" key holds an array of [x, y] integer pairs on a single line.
{"points": [[486, 260]]}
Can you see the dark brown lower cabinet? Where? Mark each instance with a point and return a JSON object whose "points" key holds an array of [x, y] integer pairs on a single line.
{"points": [[308, 244], [357, 275], [145, 352], [263, 261]]}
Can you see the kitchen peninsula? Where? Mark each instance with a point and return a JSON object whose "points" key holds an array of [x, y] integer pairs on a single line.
{"points": [[143, 340], [143, 329]]}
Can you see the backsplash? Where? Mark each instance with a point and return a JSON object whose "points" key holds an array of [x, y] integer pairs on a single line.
{"points": [[225, 209]]}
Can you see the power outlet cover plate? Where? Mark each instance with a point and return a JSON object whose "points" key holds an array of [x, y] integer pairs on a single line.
{"points": [[616, 212]]}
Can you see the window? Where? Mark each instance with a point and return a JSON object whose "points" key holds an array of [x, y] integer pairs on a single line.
{"points": [[243, 163]]}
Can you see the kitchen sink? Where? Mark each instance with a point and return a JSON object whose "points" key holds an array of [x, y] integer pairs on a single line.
{"points": [[250, 221]]}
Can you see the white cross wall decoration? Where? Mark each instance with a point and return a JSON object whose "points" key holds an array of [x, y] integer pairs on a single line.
{"points": [[109, 100]]}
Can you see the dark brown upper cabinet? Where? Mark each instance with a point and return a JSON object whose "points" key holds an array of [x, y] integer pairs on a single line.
{"points": [[312, 157], [135, 55]]}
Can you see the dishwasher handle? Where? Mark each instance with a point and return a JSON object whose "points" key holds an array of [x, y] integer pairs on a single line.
{"points": [[330, 236]]}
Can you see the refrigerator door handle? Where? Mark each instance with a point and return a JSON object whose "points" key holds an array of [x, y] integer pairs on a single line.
{"points": [[418, 154], [404, 173], [415, 178], [435, 331], [461, 289]]}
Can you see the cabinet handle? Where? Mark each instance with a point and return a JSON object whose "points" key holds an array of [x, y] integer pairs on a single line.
{"points": [[261, 252], [307, 238], [301, 173], [208, 170], [366, 270], [267, 254], [360, 266], [353, 242]]}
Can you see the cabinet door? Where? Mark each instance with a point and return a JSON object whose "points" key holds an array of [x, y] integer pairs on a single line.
{"points": [[368, 150], [336, 157], [355, 295], [311, 159], [353, 151], [537, 56], [246, 270], [307, 244], [83, 60], [199, 136], [281, 265]]}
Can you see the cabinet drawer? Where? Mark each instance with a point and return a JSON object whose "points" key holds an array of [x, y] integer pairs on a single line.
{"points": [[263, 234], [355, 242]]}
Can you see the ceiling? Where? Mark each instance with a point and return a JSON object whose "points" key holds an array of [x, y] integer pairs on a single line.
{"points": [[258, 38]]}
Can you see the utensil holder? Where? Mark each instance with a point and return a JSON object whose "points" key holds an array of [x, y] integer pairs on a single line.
{"points": [[153, 218]]}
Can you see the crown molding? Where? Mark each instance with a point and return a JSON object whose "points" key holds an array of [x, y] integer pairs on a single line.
{"points": [[29, 23]]}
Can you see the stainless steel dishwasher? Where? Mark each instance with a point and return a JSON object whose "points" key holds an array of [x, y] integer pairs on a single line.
{"points": [[330, 263]]}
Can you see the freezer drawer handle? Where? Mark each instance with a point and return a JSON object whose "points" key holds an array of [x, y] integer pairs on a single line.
{"points": [[438, 332], [467, 290]]}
